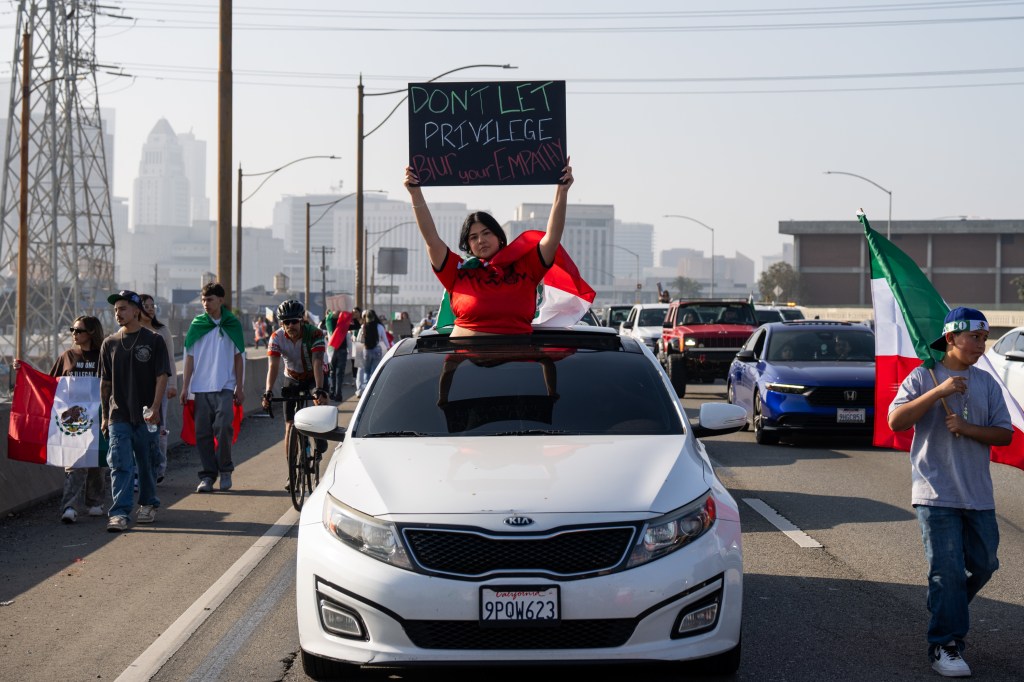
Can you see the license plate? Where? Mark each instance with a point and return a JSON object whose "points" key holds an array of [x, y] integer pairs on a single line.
{"points": [[519, 605], [850, 415]]}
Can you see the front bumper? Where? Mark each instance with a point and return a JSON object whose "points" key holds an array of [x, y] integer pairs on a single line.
{"points": [[708, 364], [409, 618], [791, 413]]}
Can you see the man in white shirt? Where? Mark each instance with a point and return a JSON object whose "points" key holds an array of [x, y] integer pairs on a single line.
{"points": [[214, 363]]}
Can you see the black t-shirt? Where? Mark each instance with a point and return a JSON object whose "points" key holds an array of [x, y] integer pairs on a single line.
{"points": [[77, 363], [132, 363]]}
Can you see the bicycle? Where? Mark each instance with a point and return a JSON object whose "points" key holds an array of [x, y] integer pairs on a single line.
{"points": [[304, 470]]}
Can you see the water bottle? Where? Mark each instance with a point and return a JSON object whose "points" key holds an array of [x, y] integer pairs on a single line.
{"points": [[147, 414]]}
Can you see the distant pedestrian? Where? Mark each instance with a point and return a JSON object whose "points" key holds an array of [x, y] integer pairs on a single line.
{"points": [[133, 380], [214, 365], [374, 341], [259, 331], [150, 322], [401, 327], [958, 413]]}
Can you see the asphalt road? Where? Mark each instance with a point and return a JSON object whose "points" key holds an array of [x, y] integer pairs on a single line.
{"points": [[207, 593]]}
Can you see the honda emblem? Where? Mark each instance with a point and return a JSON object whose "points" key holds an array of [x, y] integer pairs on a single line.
{"points": [[850, 396]]}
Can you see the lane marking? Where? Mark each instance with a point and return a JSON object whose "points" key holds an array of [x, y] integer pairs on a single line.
{"points": [[152, 659], [782, 523]]}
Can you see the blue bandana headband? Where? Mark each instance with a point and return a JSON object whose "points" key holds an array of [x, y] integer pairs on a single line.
{"points": [[964, 326]]}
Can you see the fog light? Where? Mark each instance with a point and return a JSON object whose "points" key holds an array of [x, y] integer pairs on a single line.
{"points": [[699, 619], [340, 621]]}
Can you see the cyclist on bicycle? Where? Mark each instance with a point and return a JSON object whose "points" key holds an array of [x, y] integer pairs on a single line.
{"points": [[301, 345]]}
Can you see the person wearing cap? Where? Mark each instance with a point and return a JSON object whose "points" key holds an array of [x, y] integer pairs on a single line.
{"points": [[214, 366], [133, 376], [958, 413]]}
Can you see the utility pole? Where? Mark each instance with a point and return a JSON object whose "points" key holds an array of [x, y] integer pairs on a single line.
{"points": [[225, 81], [156, 279], [324, 250]]}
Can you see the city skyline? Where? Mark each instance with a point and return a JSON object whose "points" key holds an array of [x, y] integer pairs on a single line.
{"points": [[729, 112]]}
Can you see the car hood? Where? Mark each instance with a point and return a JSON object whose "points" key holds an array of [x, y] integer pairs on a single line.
{"points": [[711, 329], [821, 373], [649, 332], [530, 474]]}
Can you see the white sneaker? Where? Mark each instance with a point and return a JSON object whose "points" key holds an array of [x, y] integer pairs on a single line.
{"points": [[96, 511], [69, 515], [205, 486], [947, 661]]}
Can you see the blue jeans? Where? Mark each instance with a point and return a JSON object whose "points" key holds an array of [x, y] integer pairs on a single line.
{"points": [[131, 447], [960, 547], [370, 362]]}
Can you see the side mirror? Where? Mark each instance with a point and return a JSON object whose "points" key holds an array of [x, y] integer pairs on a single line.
{"points": [[319, 421], [746, 355], [627, 325], [718, 419], [667, 324]]}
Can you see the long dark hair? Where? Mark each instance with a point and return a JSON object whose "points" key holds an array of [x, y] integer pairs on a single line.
{"points": [[95, 329], [485, 219], [155, 322]]}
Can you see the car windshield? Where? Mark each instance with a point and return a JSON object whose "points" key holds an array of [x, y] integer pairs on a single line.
{"points": [[618, 316], [652, 317], [716, 313], [764, 316], [822, 345], [532, 390], [791, 314]]}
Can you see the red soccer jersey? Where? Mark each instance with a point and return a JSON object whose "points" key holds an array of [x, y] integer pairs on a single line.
{"points": [[498, 299]]}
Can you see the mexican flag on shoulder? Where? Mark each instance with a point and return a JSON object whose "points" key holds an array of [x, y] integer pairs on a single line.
{"points": [[909, 313], [55, 420], [563, 296]]}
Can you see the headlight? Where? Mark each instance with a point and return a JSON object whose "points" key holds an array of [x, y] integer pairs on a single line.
{"points": [[785, 388], [378, 539], [690, 342], [675, 530]]}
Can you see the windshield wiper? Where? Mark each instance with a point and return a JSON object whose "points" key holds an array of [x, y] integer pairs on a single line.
{"points": [[536, 432], [397, 434]]}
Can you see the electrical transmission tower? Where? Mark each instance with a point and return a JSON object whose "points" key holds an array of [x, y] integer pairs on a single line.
{"points": [[63, 201]]}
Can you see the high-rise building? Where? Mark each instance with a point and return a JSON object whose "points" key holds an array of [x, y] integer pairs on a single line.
{"points": [[161, 195], [193, 154], [588, 237]]}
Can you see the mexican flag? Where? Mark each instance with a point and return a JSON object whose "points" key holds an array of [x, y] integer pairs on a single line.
{"points": [[340, 330], [908, 316], [55, 420], [188, 422], [562, 298]]}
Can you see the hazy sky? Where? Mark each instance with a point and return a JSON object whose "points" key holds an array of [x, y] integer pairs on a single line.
{"points": [[726, 111]]}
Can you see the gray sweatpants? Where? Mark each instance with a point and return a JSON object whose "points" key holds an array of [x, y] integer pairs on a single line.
{"points": [[214, 416]]}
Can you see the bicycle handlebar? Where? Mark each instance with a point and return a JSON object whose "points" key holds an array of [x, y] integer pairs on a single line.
{"points": [[301, 397]]}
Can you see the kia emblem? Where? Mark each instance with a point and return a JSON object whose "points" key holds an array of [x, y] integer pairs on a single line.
{"points": [[518, 521], [850, 395]]}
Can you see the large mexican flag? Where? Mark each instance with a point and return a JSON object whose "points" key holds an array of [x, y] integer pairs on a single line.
{"points": [[908, 316], [55, 420]]}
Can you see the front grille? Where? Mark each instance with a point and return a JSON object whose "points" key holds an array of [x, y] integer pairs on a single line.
{"points": [[567, 553], [836, 396], [716, 341], [568, 634]]}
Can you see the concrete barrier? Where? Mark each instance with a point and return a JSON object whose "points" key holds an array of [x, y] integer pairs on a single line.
{"points": [[22, 484]]}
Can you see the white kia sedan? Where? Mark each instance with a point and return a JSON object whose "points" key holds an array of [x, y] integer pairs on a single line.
{"points": [[1007, 358], [527, 499]]}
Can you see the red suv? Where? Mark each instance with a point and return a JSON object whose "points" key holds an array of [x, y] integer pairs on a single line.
{"points": [[700, 338]]}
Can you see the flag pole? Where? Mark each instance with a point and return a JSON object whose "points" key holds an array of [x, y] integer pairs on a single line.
{"points": [[943, 400]]}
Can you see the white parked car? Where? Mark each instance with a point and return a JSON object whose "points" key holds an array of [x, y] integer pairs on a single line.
{"points": [[1007, 358], [538, 498], [645, 324]]}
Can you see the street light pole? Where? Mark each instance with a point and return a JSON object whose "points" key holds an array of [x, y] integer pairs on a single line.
{"points": [[360, 265], [708, 227], [638, 284], [888, 225], [242, 200]]}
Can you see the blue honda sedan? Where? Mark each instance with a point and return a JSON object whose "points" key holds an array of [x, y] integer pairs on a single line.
{"points": [[809, 376]]}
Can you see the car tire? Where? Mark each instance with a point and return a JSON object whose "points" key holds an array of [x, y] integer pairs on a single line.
{"points": [[721, 665], [761, 435], [320, 668], [676, 369]]}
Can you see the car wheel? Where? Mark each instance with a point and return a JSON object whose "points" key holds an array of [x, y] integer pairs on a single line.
{"points": [[677, 374], [762, 436], [320, 668]]}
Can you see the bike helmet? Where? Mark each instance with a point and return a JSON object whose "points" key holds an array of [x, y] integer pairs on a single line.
{"points": [[290, 310]]}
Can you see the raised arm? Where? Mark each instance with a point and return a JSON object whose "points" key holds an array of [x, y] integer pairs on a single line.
{"points": [[556, 221], [436, 248]]}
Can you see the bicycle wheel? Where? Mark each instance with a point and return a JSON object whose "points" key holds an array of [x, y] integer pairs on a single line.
{"points": [[307, 467], [295, 469]]}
